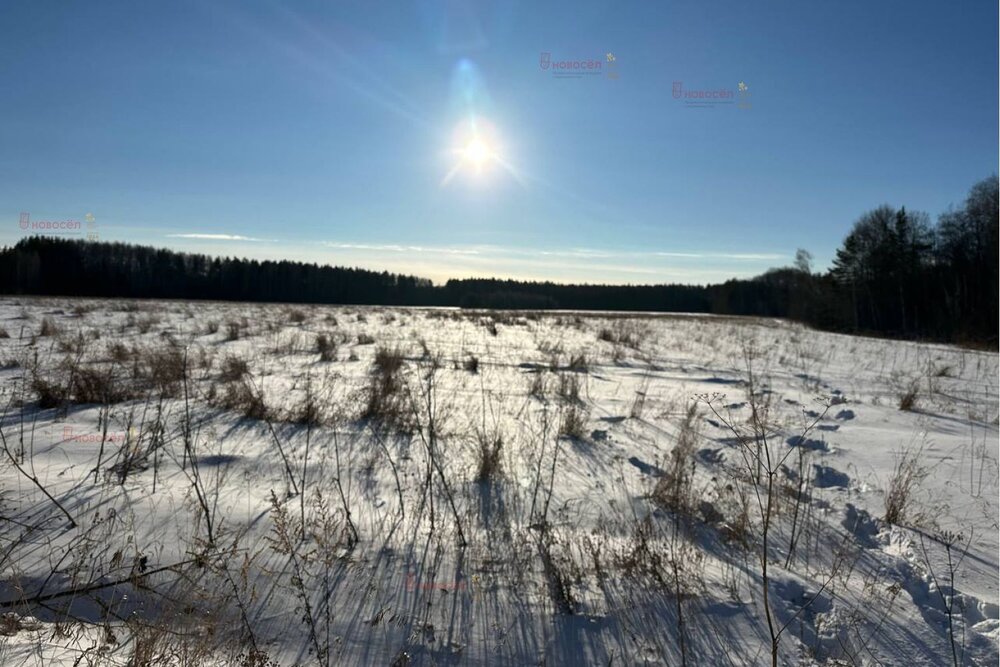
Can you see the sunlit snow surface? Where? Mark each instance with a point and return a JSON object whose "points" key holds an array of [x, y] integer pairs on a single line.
{"points": [[569, 558]]}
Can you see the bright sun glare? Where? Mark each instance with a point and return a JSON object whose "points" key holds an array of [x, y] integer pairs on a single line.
{"points": [[477, 153]]}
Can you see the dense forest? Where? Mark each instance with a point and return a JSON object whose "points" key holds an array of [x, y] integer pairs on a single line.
{"points": [[896, 274]]}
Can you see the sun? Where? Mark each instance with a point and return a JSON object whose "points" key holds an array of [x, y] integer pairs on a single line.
{"points": [[477, 153]]}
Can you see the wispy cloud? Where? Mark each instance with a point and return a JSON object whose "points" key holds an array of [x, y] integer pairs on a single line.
{"points": [[443, 262], [220, 237], [746, 257], [567, 264], [402, 248], [570, 253]]}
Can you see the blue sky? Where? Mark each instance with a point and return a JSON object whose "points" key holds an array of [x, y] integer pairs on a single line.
{"points": [[327, 131]]}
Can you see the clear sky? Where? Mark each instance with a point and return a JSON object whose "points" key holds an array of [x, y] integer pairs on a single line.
{"points": [[427, 137]]}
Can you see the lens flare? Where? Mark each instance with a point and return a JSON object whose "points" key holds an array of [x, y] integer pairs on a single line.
{"points": [[477, 154], [476, 150]]}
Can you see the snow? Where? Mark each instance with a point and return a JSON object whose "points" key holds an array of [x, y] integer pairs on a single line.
{"points": [[569, 556]]}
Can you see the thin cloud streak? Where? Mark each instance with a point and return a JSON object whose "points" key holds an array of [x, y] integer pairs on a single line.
{"points": [[748, 257], [221, 237], [573, 253], [399, 248], [440, 263]]}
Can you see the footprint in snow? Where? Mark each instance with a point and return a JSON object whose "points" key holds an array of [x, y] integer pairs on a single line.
{"points": [[862, 525], [709, 455], [826, 477], [644, 467], [808, 443]]}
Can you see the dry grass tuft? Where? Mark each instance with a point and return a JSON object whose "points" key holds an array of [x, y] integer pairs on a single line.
{"points": [[574, 422], [121, 354], [384, 398], [49, 327], [489, 463], [92, 385], [165, 368], [536, 385], [146, 324], [674, 490], [50, 394], [244, 398], [472, 364], [907, 475], [578, 363], [569, 388], [622, 333], [326, 347], [233, 369]]}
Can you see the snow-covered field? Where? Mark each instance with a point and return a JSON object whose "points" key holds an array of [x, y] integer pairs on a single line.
{"points": [[202, 483]]}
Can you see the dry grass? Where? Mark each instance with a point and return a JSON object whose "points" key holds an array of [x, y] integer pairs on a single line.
{"points": [[489, 462], [146, 324], [121, 354], [655, 547], [326, 347], [674, 490], [244, 398], [308, 411], [50, 394], [85, 385], [578, 363], [49, 327], [625, 333], [233, 369], [569, 388], [93, 385], [574, 422], [907, 475], [385, 400], [165, 368], [471, 364], [536, 384]]}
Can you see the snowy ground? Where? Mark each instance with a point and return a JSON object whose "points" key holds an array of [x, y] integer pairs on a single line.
{"points": [[182, 483]]}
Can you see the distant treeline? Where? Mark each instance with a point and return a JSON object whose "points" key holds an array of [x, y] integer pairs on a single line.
{"points": [[896, 274], [59, 266]]}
